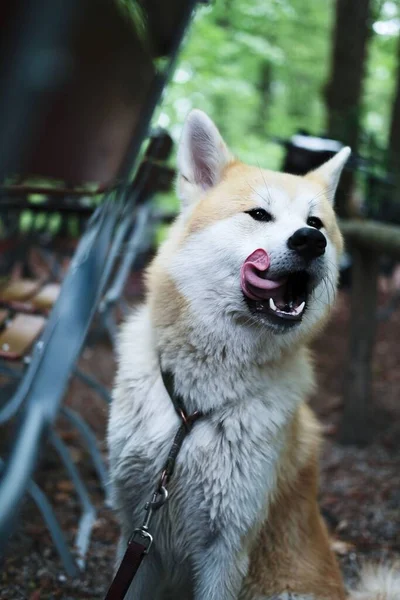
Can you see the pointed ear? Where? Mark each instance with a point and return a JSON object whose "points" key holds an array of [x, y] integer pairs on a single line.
{"points": [[202, 156], [330, 171]]}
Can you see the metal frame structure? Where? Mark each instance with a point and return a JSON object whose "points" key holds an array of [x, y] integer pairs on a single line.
{"points": [[47, 24]]}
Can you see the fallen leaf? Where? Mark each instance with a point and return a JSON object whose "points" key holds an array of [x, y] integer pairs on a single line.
{"points": [[65, 486]]}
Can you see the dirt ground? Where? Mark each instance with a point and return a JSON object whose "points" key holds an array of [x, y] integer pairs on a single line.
{"points": [[360, 488]]}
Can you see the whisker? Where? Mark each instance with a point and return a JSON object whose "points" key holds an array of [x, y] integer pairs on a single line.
{"points": [[258, 193], [328, 191], [265, 183]]}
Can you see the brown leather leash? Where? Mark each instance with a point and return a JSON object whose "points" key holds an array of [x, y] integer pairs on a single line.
{"points": [[141, 539]]}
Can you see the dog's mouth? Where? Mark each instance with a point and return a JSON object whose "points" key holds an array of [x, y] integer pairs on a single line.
{"points": [[283, 299]]}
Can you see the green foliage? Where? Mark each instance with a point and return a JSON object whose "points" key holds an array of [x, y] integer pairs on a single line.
{"points": [[259, 69], [381, 71]]}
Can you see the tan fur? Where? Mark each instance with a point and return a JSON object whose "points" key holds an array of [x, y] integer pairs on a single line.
{"points": [[292, 551], [165, 313], [235, 194]]}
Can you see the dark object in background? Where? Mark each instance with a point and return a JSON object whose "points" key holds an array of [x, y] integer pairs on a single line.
{"points": [[79, 85], [88, 112], [306, 152]]}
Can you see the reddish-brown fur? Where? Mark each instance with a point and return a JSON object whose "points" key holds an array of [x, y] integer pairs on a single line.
{"points": [[292, 551]]}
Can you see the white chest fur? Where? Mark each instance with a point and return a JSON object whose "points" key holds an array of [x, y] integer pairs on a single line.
{"points": [[226, 471]]}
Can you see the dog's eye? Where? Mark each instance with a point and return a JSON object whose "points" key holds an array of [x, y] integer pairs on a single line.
{"points": [[315, 222], [259, 214]]}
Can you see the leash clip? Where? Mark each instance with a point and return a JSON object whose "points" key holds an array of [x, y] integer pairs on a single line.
{"points": [[158, 499], [155, 503]]}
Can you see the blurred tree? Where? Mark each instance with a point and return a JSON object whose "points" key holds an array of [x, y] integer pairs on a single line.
{"points": [[259, 69], [394, 130], [344, 90], [380, 74]]}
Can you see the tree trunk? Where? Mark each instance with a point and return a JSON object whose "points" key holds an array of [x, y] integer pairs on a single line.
{"points": [[344, 89], [394, 133], [355, 427]]}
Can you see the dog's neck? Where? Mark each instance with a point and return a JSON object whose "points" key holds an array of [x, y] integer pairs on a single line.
{"points": [[220, 363]]}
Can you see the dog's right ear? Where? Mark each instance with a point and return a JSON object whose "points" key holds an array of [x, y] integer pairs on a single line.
{"points": [[202, 157]]}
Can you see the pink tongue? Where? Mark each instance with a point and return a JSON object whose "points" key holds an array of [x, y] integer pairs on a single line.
{"points": [[253, 285]]}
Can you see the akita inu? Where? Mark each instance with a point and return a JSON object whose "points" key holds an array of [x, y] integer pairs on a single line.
{"points": [[245, 279]]}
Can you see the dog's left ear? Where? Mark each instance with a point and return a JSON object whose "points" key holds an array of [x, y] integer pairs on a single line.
{"points": [[330, 171], [202, 157]]}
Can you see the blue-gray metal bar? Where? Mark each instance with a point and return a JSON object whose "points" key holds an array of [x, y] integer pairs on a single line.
{"points": [[52, 262], [50, 369], [116, 288], [67, 327], [56, 532], [110, 326], [92, 382], [13, 405], [135, 242], [91, 444], [88, 511], [50, 519]]}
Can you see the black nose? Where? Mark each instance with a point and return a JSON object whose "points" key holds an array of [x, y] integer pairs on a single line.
{"points": [[308, 242]]}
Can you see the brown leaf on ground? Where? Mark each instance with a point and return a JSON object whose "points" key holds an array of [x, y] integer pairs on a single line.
{"points": [[65, 485]]}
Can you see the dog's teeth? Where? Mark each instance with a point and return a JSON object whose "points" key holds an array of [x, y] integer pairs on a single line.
{"points": [[294, 311], [300, 308], [272, 305]]}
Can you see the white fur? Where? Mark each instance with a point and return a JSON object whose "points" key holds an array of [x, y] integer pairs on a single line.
{"points": [[378, 583], [226, 469], [245, 378], [202, 156], [332, 169], [213, 258]]}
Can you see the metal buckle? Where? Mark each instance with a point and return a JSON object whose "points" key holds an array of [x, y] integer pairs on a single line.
{"points": [[162, 493], [158, 499], [144, 535]]}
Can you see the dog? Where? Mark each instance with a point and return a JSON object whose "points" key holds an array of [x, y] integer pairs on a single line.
{"points": [[245, 280]]}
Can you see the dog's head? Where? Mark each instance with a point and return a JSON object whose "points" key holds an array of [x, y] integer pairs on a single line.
{"points": [[253, 247]]}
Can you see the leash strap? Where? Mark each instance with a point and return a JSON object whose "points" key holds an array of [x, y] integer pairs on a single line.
{"points": [[137, 550], [134, 554]]}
